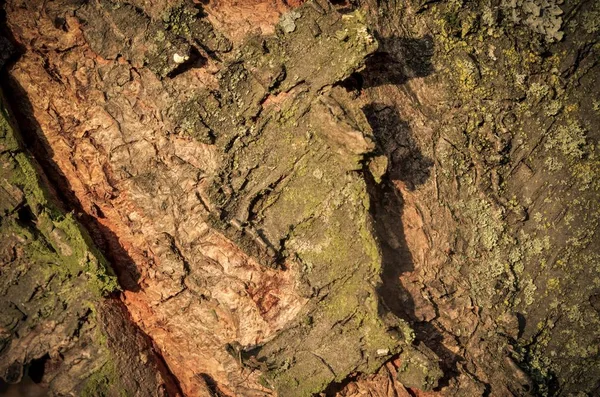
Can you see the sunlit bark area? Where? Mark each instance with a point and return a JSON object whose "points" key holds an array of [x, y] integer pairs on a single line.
{"points": [[298, 198]]}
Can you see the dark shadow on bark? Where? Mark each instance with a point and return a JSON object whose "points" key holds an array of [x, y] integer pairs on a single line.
{"points": [[195, 61], [124, 334], [334, 388], [37, 368], [9, 48], [386, 210], [395, 140], [27, 387], [211, 384], [36, 143], [397, 61]]}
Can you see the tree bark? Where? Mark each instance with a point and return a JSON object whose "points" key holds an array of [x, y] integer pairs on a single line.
{"points": [[291, 198]]}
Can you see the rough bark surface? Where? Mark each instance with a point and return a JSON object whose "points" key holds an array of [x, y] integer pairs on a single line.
{"points": [[56, 327], [503, 128], [355, 198]]}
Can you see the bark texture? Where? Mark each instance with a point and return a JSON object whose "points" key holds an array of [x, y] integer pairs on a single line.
{"points": [[57, 326], [349, 198], [506, 120]]}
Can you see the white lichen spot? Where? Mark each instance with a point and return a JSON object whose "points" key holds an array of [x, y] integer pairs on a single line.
{"points": [[383, 352], [492, 52], [180, 58], [288, 21]]}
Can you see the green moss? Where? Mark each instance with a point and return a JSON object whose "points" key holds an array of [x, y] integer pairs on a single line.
{"points": [[104, 383], [8, 139], [26, 177], [56, 276], [74, 249], [529, 289]]}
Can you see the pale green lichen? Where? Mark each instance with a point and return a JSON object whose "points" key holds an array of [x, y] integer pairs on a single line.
{"points": [[538, 91], [591, 21], [569, 138], [553, 164], [529, 289]]}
